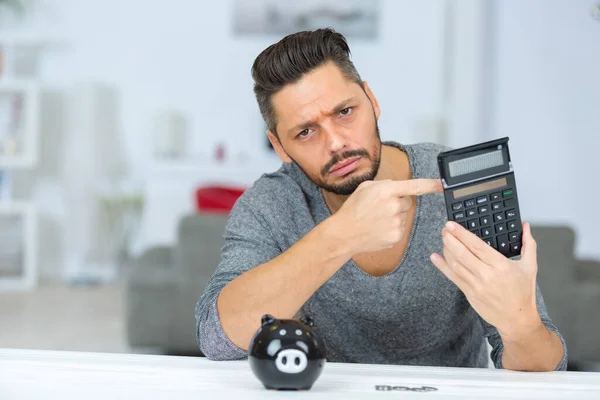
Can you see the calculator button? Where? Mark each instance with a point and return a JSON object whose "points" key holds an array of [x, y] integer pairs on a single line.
{"points": [[459, 215], [512, 225], [496, 206], [471, 212], [500, 228], [482, 199], [496, 196], [463, 224], [470, 203], [510, 203], [486, 232], [475, 232], [457, 206], [503, 244], [483, 209], [513, 237], [472, 224], [491, 241], [498, 217], [511, 214], [515, 247], [507, 193], [485, 221]]}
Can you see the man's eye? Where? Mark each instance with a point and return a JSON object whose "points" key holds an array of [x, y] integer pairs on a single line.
{"points": [[304, 133], [346, 111]]}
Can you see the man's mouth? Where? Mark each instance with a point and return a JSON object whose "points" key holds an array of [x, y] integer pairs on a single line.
{"points": [[345, 167]]}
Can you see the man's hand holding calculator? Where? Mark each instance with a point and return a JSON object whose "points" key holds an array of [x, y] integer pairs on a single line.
{"points": [[501, 290], [483, 240]]}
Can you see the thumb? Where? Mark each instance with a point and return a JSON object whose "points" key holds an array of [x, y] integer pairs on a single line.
{"points": [[529, 249]]}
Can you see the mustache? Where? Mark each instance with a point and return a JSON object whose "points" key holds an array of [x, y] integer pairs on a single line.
{"points": [[343, 156]]}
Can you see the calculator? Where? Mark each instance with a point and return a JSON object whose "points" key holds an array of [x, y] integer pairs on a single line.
{"points": [[481, 193]]}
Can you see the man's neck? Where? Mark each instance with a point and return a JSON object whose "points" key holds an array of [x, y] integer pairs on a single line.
{"points": [[394, 165]]}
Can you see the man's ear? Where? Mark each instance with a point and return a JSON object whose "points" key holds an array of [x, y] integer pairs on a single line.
{"points": [[278, 147], [372, 98]]}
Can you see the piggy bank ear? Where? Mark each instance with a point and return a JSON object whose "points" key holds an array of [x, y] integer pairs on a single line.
{"points": [[307, 321], [267, 319]]}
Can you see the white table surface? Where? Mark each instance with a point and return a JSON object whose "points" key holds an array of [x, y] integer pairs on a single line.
{"points": [[40, 374]]}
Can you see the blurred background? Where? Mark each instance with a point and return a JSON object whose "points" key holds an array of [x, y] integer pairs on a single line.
{"points": [[128, 129]]}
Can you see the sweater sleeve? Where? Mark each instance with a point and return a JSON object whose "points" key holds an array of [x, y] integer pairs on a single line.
{"points": [[248, 243], [496, 342]]}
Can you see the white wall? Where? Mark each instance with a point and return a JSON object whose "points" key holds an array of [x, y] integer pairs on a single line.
{"points": [[182, 54], [546, 98]]}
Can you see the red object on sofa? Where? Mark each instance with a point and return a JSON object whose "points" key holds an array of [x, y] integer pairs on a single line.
{"points": [[217, 199]]}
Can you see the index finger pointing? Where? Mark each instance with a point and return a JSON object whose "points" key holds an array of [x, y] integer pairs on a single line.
{"points": [[417, 187]]}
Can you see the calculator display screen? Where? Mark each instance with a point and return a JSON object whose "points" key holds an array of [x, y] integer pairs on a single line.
{"points": [[482, 187], [476, 163]]}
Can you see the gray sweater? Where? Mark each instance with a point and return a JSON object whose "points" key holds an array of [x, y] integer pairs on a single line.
{"points": [[413, 315]]}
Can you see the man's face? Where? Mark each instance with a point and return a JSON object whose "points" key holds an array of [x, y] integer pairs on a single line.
{"points": [[328, 126]]}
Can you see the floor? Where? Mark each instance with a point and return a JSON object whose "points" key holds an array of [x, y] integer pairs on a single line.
{"points": [[62, 317]]}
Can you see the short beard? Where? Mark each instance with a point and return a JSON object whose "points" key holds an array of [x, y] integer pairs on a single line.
{"points": [[349, 185]]}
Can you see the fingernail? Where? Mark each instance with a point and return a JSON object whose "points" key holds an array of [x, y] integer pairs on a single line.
{"points": [[450, 225]]}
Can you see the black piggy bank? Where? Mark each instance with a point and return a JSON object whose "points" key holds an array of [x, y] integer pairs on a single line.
{"points": [[286, 354]]}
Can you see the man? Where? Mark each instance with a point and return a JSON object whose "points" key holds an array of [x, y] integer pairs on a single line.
{"points": [[348, 232]]}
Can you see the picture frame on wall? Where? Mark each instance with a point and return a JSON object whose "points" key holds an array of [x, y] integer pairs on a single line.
{"points": [[352, 18]]}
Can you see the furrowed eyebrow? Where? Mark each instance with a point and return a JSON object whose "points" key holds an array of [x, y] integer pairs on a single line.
{"points": [[307, 124]]}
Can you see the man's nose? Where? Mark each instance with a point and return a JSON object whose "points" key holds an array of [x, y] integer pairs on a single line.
{"points": [[336, 141]]}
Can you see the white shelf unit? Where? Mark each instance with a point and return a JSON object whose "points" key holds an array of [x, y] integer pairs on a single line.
{"points": [[19, 148]]}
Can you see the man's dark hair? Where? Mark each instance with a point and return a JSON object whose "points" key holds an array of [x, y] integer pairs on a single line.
{"points": [[288, 60]]}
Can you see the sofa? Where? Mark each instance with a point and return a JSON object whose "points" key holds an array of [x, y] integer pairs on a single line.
{"points": [[571, 290], [165, 283]]}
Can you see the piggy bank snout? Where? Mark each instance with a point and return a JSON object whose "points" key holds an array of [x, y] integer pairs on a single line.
{"points": [[291, 361]]}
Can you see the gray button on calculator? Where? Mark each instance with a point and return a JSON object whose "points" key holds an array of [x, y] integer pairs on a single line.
{"points": [[457, 206], [510, 214], [503, 245]]}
